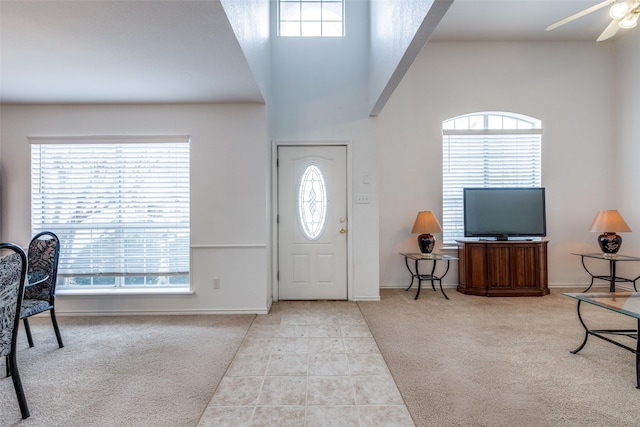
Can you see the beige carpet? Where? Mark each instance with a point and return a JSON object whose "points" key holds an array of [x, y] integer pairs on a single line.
{"points": [[122, 371], [470, 361], [477, 361]]}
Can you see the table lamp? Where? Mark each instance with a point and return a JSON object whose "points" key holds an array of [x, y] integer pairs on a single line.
{"points": [[608, 222], [425, 224]]}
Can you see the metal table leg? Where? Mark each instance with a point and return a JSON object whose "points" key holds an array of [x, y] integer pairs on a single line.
{"points": [[590, 274], [586, 331], [440, 280], [631, 333], [637, 354], [419, 278], [406, 262], [612, 272]]}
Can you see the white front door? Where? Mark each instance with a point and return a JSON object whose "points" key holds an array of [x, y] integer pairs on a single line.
{"points": [[312, 222]]}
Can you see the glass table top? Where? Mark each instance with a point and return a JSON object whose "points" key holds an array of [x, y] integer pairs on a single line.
{"points": [[621, 302], [614, 257], [419, 256]]}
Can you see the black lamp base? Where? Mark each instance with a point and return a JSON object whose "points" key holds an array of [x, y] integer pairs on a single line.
{"points": [[426, 242], [609, 243]]}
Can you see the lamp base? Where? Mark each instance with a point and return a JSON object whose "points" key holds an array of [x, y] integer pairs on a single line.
{"points": [[609, 243], [426, 242]]}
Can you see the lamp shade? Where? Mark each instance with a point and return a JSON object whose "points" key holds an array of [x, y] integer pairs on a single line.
{"points": [[609, 221], [426, 223]]}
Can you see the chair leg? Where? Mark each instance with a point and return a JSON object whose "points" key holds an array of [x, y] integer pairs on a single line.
{"points": [[17, 384], [27, 329], [8, 368], [55, 328]]}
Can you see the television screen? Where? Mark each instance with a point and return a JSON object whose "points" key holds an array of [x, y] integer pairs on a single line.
{"points": [[504, 212]]}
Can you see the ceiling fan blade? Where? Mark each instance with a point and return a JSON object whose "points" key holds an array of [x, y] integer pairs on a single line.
{"points": [[580, 14], [610, 31]]}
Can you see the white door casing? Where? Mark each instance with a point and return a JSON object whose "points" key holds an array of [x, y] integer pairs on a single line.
{"points": [[312, 222]]}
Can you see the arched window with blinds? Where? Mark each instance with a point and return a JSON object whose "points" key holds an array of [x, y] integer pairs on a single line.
{"points": [[486, 149]]}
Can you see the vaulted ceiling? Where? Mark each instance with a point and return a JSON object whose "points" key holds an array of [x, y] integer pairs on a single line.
{"points": [[121, 51], [102, 51]]}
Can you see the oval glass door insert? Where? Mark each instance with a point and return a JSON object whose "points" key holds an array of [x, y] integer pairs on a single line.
{"points": [[312, 202]]}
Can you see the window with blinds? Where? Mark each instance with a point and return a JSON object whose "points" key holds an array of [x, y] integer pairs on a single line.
{"points": [[120, 206], [488, 149]]}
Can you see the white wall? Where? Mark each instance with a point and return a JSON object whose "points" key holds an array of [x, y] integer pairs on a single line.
{"points": [[628, 134], [229, 196], [399, 29], [250, 22], [320, 92], [569, 86]]}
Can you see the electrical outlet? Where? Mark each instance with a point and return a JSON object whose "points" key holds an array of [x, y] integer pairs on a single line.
{"points": [[362, 198], [216, 283]]}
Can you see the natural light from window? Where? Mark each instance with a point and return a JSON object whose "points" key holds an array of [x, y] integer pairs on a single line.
{"points": [[486, 149], [120, 209], [311, 18]]}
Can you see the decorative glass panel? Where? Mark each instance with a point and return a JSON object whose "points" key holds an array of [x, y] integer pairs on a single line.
{"points": [[312, 202]]}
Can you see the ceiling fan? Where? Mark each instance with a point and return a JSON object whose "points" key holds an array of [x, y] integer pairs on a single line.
{"points": [[624, 14]]}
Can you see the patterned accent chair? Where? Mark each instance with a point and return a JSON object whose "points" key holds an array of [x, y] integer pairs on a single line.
{"points": [[13, 271], [43, 254]]}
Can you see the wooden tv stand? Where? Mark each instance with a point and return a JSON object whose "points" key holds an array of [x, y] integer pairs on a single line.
{"points": [[495, 268]]}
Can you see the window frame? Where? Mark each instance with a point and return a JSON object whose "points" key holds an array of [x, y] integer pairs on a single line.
{"points": [[179, 177], [500, 166], [303, 23]]}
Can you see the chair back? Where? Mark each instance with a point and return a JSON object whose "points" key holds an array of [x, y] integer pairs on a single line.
{"points": [[13, 272], [43, 254]]}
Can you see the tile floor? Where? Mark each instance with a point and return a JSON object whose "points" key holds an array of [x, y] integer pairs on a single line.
{"points": [[308, 363]]}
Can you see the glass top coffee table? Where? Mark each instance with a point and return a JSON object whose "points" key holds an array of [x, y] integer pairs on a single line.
{"points": [[627, 303]]}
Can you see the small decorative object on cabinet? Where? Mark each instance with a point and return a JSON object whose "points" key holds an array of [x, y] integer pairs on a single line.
{"points": [[497, 268]]}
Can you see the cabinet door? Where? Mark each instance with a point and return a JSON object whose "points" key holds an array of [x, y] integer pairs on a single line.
{"points": [[499, 267], [472, 273], [525, 267], [503, 269]]}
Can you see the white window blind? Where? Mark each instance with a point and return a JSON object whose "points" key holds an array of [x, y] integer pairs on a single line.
{"points": [[120, 206], [486, 150]]}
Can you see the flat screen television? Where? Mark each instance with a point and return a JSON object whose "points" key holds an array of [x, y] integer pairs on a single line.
{"points": [[503, 213]]}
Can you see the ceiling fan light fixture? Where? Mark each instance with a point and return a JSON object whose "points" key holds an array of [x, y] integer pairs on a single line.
{"points": [[619, 10], [629, 21], [624, 14]]}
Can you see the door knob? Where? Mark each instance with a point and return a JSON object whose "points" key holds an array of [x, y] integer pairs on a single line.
{"points": [[342, 231]]}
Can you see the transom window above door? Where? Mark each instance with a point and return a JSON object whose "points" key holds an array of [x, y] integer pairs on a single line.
{"points": [[311, 18]]}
